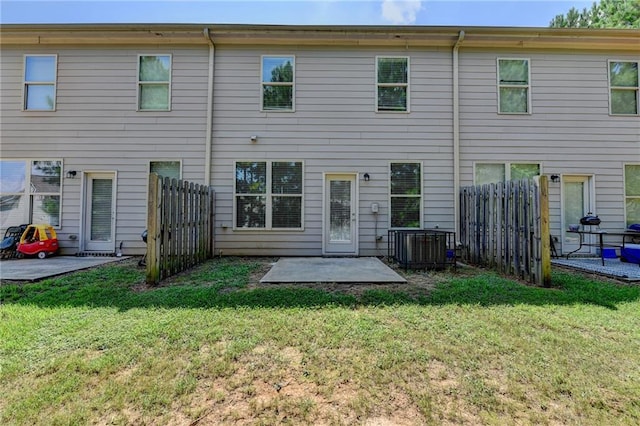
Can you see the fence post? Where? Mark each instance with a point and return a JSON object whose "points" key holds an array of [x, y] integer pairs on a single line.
{"points": [[153, 231], [545, 234]]}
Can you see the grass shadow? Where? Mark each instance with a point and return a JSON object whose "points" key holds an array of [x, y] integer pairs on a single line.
{"points": [[222, 283]]}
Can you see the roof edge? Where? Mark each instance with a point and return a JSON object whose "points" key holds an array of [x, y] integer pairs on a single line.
{"points": [[354, 35]]}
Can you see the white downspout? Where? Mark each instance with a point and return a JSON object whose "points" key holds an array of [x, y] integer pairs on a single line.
{"points": [[208, 138], [456, 137]]}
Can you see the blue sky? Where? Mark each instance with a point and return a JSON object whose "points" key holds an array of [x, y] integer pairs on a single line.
{"points": [[520, 13]]}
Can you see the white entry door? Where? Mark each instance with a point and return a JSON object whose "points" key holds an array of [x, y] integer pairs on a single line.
{"points": [[99, 212], [577, 201], [340, 215]]}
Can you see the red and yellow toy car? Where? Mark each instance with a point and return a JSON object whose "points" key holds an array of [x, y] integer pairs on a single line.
{"points": [[38, 239]]}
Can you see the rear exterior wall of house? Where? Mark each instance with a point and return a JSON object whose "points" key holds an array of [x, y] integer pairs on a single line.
{"points": [[282, 164]]}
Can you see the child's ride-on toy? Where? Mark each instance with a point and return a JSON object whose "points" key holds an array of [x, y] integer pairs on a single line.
{"points": [[11, 240], [38, 239]]}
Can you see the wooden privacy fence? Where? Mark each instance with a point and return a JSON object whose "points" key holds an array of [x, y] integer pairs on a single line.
{"points": [[180, 220], [505, 226]]}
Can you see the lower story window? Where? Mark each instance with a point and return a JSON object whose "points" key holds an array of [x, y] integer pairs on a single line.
{"points": [[268, 195], [500, 172], [30, 192], [170, 169], [632, 193], [406, 195]]}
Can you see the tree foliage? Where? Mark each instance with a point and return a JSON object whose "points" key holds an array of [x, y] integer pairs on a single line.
{"points": [[602, 14]]}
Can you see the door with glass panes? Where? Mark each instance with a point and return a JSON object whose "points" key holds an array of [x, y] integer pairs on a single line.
{"points": [[577, 201], [340, 215], [99, 212]]}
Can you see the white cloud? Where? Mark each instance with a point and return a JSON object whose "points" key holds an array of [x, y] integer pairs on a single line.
{"points": [[401, 12]]}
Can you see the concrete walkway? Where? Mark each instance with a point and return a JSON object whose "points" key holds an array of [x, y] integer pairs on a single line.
{"points": [[333, 270], [34, 269]]}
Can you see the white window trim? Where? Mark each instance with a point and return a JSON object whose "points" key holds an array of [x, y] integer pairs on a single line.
{"points": [[140, 83], [407, 85], [624, 191], [39, 83], [164, 160], [520, 86], [269, 197], [421, 196], [27, 186], [292, 84], [507, 167], [636, 89]]}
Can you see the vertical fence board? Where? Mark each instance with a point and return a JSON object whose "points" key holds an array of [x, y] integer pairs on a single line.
{"points": [[153, 229]]}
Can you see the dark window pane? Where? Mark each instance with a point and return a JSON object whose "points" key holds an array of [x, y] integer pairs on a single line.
{"points": [[251, 177], [250, 212], [392, 98], [286, 177], [277, 97], [405, 178], [287, 212], [624, 102], [405, 212], [393, 70], [624, 74]]}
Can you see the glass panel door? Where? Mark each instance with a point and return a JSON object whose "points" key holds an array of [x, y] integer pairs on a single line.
{"points": [[340, 210], [101, 200], [99, 213], [576, 203], [340, 215]]}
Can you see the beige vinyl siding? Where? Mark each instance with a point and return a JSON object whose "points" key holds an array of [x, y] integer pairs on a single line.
{"points": [[96, 126], [569, 132], [334, 129]]}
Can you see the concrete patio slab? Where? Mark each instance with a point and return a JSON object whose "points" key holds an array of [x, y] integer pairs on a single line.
{"points": [[612, 268], [331, 269], [33, 269]]}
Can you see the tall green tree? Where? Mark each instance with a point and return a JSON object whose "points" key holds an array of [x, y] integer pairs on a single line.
{"points": [[602, 14]]}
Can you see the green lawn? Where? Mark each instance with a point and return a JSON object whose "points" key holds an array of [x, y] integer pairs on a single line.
{"points": [[97, 347]]}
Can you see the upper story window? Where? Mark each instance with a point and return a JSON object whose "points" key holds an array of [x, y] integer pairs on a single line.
{"points": [[170, 169], [406, 194], [623, 85], [278, 76], [513, 86], [154, 82], [632, 193], [40, 72], [392, 84], [500, 172], [268, 195]]}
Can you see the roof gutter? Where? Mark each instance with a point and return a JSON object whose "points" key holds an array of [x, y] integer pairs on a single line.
{"points": [[456, 135], [208, 137]]}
